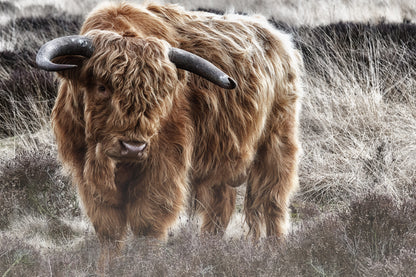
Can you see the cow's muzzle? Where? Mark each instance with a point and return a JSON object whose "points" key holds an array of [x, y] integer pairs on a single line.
{"points": [[132, 149]]}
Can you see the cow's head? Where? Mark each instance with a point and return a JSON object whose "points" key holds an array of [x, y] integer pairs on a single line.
{"points": [[127, 83]]}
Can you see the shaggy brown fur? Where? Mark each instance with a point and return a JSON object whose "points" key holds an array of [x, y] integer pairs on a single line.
{"points": [[202, 140]]}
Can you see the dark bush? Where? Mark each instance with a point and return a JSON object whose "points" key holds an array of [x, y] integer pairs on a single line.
{"points": [[20, 259], [10, 59], [217, 11], [20, 59], [304, 210], [321, 249], [34, 31], [31, 183], [386, 51], [280, 25], [30, 82], [214, 11], [7, 7], [354, 36], [47, 25], [377, 226]]}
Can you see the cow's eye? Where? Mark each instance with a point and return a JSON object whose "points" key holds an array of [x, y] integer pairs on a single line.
{"points": [[102, 90]]}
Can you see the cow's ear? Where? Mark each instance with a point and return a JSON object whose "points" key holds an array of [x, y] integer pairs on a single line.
{"points": [[72, 73]]}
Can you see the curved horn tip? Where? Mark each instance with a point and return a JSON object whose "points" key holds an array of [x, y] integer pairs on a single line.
{"points": [[200, 66], [227, 82], [63, 46], [231, 84], [50, 66]]}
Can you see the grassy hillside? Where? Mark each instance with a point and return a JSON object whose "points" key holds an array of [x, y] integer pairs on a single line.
{"points": [[354, 214]]}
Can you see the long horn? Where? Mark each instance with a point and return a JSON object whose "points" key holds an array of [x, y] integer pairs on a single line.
{"points": [[63, 46], [195, 64]]}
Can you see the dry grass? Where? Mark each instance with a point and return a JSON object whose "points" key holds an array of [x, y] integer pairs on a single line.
{"points": [[358, 118], [354, 213], [375, 236]]}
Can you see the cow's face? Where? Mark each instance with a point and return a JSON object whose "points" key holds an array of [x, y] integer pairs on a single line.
{"points": [[129, 85]]}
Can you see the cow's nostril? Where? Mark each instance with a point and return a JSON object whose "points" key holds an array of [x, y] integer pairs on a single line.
{"points": [[132, 148]]}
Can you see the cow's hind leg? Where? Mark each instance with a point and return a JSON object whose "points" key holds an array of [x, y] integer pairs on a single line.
{"points": [[271, 181], [215, 204]]}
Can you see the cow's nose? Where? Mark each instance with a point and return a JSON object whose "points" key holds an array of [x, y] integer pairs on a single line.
{"points": [[132, 149]]}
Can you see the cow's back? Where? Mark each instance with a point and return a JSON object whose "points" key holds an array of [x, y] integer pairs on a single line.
{"points": [[231, 124]]}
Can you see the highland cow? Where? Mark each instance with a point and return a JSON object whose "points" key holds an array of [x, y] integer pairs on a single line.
{"points": [[159, 107]]}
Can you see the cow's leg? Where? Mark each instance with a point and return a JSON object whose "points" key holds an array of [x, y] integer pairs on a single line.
{"points": [[149, 220], [152, 212], [110, 226], [108, 217], [215, 204], [272, 179]]}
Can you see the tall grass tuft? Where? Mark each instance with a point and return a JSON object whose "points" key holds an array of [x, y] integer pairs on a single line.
{"points": [[358, 124]]}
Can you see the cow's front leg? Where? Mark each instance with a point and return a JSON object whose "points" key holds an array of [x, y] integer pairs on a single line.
{"points": [[152, 215], [107, 212]]}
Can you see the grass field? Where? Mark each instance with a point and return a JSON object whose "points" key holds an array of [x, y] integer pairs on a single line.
{"points": [[354, 213]]}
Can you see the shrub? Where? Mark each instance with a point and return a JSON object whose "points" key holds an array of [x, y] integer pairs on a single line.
{"points": [[32, 184], [359, 49], [377, 226], [7, 7], [19, 259], [57, 24]]}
